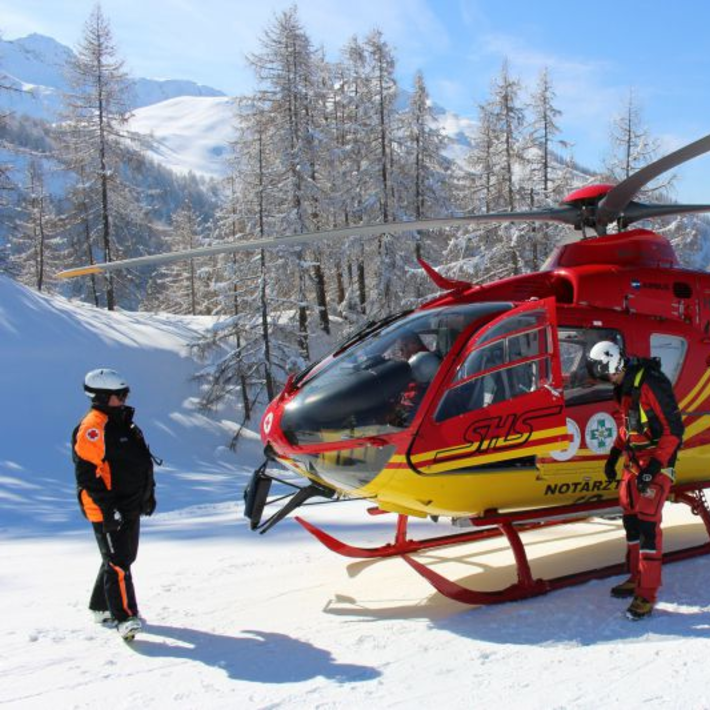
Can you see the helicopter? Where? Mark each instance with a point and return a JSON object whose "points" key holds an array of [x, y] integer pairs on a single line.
{"points": [[476, 405]]}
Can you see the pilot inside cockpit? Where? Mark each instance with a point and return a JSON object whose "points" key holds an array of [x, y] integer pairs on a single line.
{"points": [[407, 344], [410, 348]]}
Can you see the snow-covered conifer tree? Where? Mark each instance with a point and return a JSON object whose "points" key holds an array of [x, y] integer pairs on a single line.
{"points": [[37, 243], [95, 113], [181, 287], [425, 171], [633, 147], [546, 173], [495, 161], [380, 121]]}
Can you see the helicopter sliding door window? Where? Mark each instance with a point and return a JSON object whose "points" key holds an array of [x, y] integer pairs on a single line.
{"points": [[502, 405], [510, 360], [671, 350], [575, 344]]}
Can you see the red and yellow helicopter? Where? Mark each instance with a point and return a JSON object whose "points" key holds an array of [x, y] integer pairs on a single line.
{"points": [[477, 406]]}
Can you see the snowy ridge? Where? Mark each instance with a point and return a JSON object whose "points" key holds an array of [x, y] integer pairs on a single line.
{"points": [[192, 124], [188, 134], [36, 65], [237, 620], [48, 346]]}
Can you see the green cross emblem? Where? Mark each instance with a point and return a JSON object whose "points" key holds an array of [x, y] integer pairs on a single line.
{"points": [[601, 434]]}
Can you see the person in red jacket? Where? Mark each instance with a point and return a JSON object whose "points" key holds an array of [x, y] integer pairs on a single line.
{"points": [[649, 440], [115, 486]]}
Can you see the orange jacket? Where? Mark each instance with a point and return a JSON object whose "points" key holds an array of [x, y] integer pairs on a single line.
{"points": [[113, 464]]}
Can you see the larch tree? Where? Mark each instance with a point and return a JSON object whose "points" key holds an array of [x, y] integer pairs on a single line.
{"points": [[284, 68], [425, 170], [352, 122], [632, 147], [95, 116], [546, 173], [380, 125], [495, 160], [37, 244], [181, 287]]}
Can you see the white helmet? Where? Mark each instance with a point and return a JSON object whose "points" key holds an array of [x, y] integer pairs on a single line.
{"points": [[102, 383], [605, 359]]}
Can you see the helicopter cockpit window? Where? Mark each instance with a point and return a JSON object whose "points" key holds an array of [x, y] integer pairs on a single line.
{"points": [[506, 364], [575, 344], [375, 386]]}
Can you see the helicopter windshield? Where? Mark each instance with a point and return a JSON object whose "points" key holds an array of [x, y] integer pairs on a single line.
{"points": [[375, 387]]}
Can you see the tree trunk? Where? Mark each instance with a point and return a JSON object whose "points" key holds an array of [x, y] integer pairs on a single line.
{"points": [[321, 300], [268, 374], [362, 291]]}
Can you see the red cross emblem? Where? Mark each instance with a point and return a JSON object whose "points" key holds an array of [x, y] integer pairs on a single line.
{"points": [[93, 434]]}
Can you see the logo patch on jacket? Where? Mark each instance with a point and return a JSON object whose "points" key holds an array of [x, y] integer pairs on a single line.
{"points": [[93, 434]]}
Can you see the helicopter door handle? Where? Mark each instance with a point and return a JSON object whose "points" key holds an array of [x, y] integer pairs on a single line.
{"points": [[555, 392], [376, 442]]}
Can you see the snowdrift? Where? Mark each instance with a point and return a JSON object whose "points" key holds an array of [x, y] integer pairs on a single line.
{"points": [[48, 344]]}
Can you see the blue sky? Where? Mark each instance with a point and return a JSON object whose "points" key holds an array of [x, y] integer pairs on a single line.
{"points": [[596, 52]]}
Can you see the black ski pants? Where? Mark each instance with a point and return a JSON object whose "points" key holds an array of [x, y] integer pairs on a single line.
{"points": [[113, 590]]}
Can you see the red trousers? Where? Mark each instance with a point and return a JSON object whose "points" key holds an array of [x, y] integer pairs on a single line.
{"points": [[644, 537]]}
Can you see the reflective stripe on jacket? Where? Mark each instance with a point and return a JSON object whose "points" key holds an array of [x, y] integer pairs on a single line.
{"points": [[653, 424]]}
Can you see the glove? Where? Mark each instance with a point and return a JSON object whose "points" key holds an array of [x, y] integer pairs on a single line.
{"points": [[149, 505], [113, 521], [646, 475], [610, 465]]}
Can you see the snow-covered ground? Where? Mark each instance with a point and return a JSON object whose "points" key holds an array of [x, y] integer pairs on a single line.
{"points": [[188, 134], [238, 620]]}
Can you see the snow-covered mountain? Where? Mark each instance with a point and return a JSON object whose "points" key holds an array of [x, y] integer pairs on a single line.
{"points": [[190, 123], [189, 134], [35, 66]]}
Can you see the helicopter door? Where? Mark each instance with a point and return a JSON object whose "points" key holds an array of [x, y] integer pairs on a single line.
{"points": [[502, 405]]}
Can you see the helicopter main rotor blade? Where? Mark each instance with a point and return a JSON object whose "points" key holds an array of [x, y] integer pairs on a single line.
{"points": [[563, 215], [636, 211], [616, 200]]}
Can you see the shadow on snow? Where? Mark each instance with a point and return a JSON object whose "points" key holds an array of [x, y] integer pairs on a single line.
{"points": [[256, 656]]}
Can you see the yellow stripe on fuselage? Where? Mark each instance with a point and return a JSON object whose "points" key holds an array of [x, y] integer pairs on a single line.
{"points": [[544, 434], [690, 403], [696, 428], [685, 403]]}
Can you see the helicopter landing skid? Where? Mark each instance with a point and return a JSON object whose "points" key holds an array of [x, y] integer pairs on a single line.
{"points": [[403, 545], [526, 586]]}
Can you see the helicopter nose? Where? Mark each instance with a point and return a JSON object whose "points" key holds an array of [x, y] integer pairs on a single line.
{"points": [[345, 469], [355, 404]]}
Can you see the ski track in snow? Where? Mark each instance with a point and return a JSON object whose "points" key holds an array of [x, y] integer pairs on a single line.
{"points": [[239, 620]]}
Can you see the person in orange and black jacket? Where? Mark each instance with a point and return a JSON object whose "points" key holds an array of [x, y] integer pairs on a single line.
{"points": [[115, 486], [649, 440]]}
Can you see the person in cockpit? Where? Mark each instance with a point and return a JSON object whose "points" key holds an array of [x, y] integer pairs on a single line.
{"points": [[410, 348]]}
